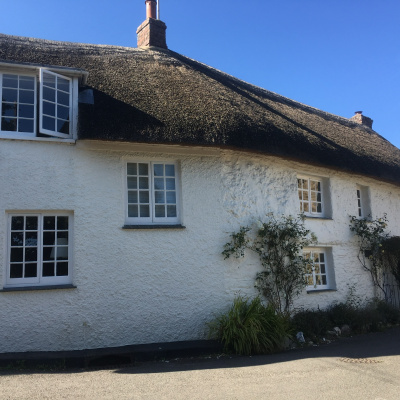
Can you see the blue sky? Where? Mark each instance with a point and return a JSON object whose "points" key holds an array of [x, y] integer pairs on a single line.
{"points": [[339, 56]]}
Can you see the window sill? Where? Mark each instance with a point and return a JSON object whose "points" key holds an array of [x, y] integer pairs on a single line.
{"points": [[310, 291], [178, 226], [316, 217], [30, 288], [36, 138]]}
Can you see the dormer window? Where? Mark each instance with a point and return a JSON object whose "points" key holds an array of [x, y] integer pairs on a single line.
{"points": [[38, 102]]}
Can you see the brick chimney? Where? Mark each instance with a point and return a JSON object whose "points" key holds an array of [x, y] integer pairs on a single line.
{"points": [[362, 119], [152, 31]]}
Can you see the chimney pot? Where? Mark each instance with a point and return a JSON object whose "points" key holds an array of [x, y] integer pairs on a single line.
{"points": [[152, 31]]}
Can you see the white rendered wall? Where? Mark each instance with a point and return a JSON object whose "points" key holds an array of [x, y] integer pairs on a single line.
{"points": [[142, 286]]}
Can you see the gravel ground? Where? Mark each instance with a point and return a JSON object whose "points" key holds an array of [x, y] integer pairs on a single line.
{"points": [[364, 367]]}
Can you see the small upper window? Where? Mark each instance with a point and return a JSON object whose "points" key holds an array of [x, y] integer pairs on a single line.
{"points": [[36, 104], [313, 196], [363, 201], [152, 193], [55, 104]]}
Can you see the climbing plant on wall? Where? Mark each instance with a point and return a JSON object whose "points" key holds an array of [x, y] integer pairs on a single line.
{"points": [[278, 242]]}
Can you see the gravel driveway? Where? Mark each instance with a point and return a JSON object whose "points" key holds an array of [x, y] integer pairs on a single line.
{"points": [[364, 367]]}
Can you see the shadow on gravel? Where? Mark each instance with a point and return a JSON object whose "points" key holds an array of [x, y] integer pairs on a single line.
{"points": [[369, 346]]}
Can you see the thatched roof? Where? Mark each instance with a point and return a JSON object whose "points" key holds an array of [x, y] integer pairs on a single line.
{"points": [[159, 96]]}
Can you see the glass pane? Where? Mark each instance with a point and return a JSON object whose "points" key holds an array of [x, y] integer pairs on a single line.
{"points": [[49, 223], [306, 207], [324, 280], [49, 108], [26, 111], [31, 270], [132, 197], [48, 269], [10, 95], [31, 239], [143, 183], [10, 81], [27, 96], [318, 280], [49, 94], [144, 211], [132, 183], [63, 98], [170, 183], [17, 254], [322, 257], [144, 197], [169, 170], [31, 254], [132, 169], [159, 197], [158, 170], [159, 183], [319, 208], [62, 84], [171, 211], [62, 238], [16, 270], [63, 112], [143, 169], [62, 223], [305, 196], [62, 269], [17, 223], [48, 253], [160, 211], [322, 268], [27, 82], [63, 126], [9, 124], [49, 123], [62, 253], [171, 197], [31, 223], [309, 280], [9, 109], [133, 211], [25, 125], [48, 238], [17, 238], [49, 80]]}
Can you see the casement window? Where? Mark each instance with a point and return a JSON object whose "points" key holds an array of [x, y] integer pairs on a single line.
{"points": [[313, 196], [363, 201], [39, 249], [319, 269], [37, 103], [152, 193]]}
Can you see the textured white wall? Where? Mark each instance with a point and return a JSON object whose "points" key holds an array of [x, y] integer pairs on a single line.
{"points": [[141, 286]]}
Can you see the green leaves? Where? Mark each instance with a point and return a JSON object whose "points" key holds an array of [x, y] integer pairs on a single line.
{"points": [[249, 327], [279, 244]]}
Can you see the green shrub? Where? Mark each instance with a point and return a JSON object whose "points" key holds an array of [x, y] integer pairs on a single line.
{"points": [[313, 323], [249, 327]]}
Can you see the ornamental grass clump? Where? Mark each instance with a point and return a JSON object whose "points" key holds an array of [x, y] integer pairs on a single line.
{"points": [[250, 327]]}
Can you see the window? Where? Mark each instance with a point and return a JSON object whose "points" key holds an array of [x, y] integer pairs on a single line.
{"points": [[363, 201], [152, 189], [319, 271], [19, 109], [39, 250], [313, 196]]}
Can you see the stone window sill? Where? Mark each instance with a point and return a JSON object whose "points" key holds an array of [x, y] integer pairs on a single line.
{"points": [[154, 227], [310, 291], [31, 288]]}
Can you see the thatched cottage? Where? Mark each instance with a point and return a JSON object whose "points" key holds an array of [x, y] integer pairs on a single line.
{"points": [[123, 172]]}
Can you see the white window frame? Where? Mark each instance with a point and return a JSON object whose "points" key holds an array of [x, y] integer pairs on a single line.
{"points": [[40, 280], [33, 71], [19, 74], [363, 201], [320, 269], [55, 133], [310, 192], [152, 219]]}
